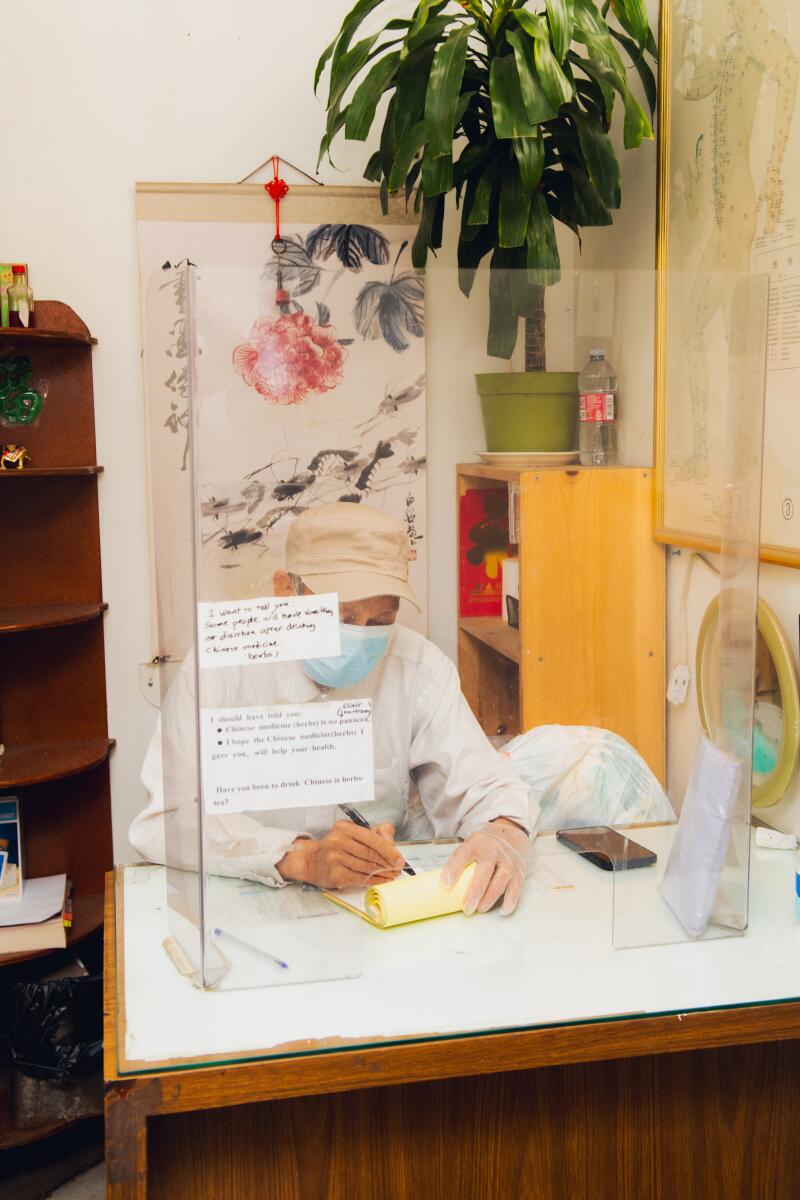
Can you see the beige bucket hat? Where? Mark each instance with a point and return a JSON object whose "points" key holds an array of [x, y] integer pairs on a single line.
{"points": [[351, 549]]}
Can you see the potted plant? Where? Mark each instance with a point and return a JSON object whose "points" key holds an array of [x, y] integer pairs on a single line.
{"points": [[509, 105]]}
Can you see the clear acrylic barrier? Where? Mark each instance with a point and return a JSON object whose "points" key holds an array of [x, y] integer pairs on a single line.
{"points": [[700, 888], [220, 541]]}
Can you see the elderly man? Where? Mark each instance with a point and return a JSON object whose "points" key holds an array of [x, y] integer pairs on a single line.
{"points": [[424, 734]]}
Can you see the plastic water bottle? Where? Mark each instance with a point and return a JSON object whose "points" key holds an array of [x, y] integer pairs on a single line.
{"points": [[597, 427]]}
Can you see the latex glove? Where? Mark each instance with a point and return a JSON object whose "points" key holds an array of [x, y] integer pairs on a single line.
{"points": [[500, 852], [348, 856]]}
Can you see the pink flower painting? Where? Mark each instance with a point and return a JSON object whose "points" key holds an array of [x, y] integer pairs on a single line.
{"points": [[290, 357]]}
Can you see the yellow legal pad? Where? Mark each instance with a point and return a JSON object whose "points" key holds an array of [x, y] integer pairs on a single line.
{"points": [[409, 898]]}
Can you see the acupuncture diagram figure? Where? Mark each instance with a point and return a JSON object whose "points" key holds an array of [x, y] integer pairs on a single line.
{"points": [[733, 74]]}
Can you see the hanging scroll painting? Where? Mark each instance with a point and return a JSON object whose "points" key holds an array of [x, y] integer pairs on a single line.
{"points": [[319, 373], [729, 206]]}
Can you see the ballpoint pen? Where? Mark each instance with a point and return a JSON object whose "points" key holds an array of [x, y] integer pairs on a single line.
{"points": [[235, 941], [355, 816]]}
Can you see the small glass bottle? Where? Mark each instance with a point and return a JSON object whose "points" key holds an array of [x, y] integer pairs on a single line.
{"points": [[20, 300]]}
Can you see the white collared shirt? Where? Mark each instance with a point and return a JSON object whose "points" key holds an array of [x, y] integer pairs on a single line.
{"points": [[426, 742]]}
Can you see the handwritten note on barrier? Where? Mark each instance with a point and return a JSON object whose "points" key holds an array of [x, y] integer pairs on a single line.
{"points": [[269, 629], [287, 756]]}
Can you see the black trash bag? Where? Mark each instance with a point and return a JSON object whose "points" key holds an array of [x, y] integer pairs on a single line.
{"points": [[58, 1028]]}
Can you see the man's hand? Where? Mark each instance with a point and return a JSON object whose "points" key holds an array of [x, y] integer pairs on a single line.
{"points": [[348, 856], [500, 853]]}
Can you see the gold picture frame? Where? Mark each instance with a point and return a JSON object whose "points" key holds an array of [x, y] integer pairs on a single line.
{"points": [[774, 644], [773, 549]]}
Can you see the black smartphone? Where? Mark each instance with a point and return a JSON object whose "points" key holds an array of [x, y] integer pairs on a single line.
{"points": [[607, 848]]}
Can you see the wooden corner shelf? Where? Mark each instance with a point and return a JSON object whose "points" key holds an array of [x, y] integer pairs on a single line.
{"points": [[87, 916], [53, 709], [494, 632], [24, 766], [48, 616]]}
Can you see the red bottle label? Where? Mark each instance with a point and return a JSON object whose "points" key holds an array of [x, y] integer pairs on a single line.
{"points": [[597, 407]]}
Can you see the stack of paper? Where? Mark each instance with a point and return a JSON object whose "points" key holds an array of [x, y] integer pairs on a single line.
{"points": [[36, 920]]}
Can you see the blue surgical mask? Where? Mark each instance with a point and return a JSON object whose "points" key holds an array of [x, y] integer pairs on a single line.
{"points": [[362, 646]]}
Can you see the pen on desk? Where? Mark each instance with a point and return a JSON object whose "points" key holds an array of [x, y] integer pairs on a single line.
{"points": [[355, 816], [235, 941]]}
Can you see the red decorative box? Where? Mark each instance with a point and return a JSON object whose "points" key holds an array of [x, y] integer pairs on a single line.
{"points": [[483, 544]]}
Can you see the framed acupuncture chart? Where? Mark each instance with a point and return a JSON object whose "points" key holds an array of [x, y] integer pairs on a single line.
{"points": [[729, 210]]}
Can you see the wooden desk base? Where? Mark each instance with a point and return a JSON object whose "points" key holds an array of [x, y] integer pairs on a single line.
{"points": [[704, 1105]]}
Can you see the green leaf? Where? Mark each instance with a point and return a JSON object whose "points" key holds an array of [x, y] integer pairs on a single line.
{"points": [[645, 73], [561, 18], [591, 29], [361, 110], [345, 35], [430, 32], [592, 98], [373, 170], [472, 157], [429, 231], [557, 87], [437, 173], [601, 160], [444, 88], [607, 80], [478, 214], [407, 149], [412, 82], [530, 159], [637, 125], [503, 323], [470, 252], [544, 262], [537, 106], [590, 210], [336, 120], [388, 146], [632, 15], [508, 110], [425, 10], [345, 70], [515, 207]]}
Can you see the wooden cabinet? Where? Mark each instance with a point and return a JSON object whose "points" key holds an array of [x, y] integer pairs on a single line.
{"points": [[590, 649], [53, 721]]}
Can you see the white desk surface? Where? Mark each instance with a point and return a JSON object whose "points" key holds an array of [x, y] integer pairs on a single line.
{"points": [[553, 961]]}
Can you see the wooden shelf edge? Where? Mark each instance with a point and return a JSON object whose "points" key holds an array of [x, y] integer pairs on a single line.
{"points": [[495, 633], [40, 472], [24, 766], [478, 470], [63, 336], [48, 616]]}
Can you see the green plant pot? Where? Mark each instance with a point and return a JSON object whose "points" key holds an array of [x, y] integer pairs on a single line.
{"points": [[529, 410]]}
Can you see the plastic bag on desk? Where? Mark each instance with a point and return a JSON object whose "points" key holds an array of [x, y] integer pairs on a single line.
{"points": [[58, 1028], [587, 776]]}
